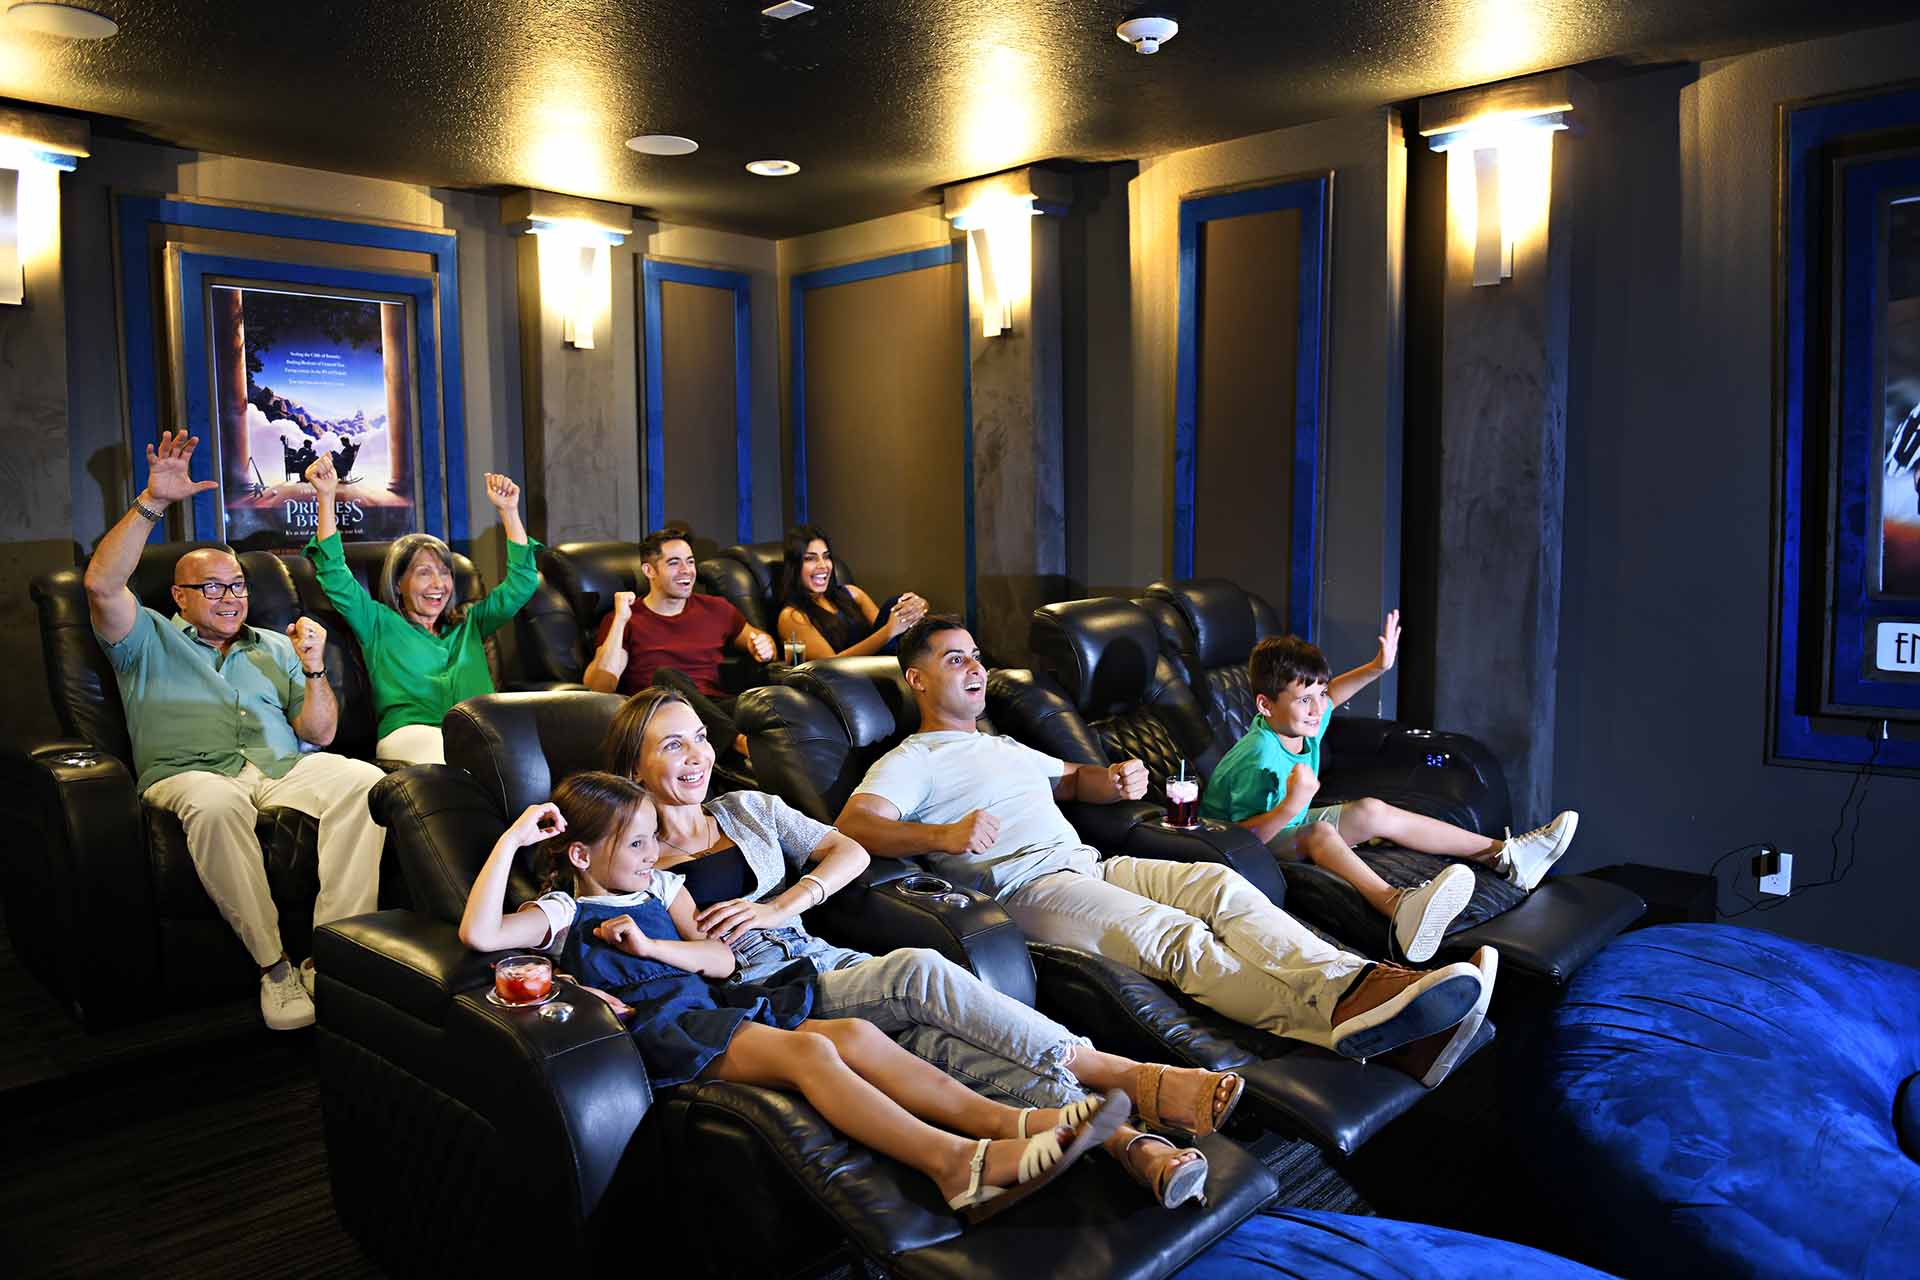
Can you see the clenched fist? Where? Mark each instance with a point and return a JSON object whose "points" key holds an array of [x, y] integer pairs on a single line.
{"points": [[310, 643], [1129, 779], [760, 645], [324, 479], [502, 492], [974, 833], [1302, 784]]}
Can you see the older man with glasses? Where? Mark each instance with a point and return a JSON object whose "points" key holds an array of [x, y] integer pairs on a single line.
{"points": [[218, 712]]}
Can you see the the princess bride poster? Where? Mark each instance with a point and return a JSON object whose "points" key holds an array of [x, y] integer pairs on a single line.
{"points": [[298, 374]]}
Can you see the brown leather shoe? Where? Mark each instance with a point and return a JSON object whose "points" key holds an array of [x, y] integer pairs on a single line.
{"points": [[1393, 1006], [1432, 1059]]}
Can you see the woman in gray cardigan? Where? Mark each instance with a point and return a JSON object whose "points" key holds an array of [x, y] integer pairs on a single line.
{"points": [[738, 852]]}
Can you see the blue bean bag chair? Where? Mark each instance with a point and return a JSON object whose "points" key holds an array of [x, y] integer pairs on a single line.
{"points": [[1723, 1102], [1309, 1244]]}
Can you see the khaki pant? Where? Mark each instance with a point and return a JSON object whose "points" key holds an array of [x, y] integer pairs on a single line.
{"points": [[1201, 927], [218, 813], [412, 744]]}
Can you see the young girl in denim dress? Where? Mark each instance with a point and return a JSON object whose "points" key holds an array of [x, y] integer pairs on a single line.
{"points": [[633, 935]]}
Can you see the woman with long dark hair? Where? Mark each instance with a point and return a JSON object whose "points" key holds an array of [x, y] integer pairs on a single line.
{"points": [[835, 619]]}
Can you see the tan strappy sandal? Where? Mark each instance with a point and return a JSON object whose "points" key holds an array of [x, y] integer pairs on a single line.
{"points": [[1151, 1092], [1172, 1185]]}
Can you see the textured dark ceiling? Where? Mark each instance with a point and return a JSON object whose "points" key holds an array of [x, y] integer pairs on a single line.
{"points": [[880, 101]]}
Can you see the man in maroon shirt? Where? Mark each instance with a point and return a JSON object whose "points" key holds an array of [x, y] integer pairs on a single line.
{"points": [[674, 637]]}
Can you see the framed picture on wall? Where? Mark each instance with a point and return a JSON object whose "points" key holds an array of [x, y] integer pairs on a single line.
{"points": [[1847, 641], [298, 372]]}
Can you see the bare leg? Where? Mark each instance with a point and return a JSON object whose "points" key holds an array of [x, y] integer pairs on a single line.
{"points": [[1323, 846], [921, 1088], [1363, 820], [810, 1064]]}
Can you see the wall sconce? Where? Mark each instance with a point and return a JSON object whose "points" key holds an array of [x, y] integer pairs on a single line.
{"points": [[1000, 242], [576, 275], [34, 152], [574, 237], [1498, 140]]}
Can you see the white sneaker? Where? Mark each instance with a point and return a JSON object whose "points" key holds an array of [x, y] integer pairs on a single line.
{"points": [[306, 976], [1531, 856], [285, 1004], [1421, 916]]}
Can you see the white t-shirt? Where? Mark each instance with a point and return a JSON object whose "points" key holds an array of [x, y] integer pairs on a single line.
{"points": [[942, 777], [559, 907]]}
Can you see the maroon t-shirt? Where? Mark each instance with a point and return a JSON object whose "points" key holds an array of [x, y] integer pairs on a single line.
{"points": [[693, 641]]}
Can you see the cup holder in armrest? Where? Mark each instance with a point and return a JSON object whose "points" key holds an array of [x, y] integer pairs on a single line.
{"points": [[925, 885]]}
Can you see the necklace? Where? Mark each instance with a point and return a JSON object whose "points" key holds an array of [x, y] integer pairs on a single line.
{"points": [[689, 852]]}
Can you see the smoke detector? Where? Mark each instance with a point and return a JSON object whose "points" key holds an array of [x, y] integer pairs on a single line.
{"points": [[1146, 35]]}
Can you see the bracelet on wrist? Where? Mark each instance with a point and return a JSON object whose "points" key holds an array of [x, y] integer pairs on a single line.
{"points": [[321, 674], [148, 512]]}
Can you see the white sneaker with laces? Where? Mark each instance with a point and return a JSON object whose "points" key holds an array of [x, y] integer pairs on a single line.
{"points": [[306, 976], [1421, 916], [1529, 857], [284, 1002]]}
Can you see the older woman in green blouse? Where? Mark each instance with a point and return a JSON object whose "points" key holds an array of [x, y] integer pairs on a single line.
{"points": [[424, 646]]}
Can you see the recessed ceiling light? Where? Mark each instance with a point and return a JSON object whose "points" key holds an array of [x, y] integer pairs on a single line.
{"points": [[773, 168], [70, 21], [786, 9], [663, 144]]}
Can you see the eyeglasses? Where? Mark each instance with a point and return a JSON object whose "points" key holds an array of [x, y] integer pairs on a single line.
{"points": [[215, 590]]}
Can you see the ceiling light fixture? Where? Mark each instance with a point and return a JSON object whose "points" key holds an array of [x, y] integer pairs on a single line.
{"points": [[67, 21], [773, 168], [1146, 35], [786, 9], [663, 144]]}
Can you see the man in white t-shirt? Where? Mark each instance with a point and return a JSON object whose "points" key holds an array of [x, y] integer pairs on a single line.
{"points": [[983, 809]]}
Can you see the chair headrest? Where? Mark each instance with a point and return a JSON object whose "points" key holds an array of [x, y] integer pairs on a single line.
{"points": [[589, 573], [517, 745], [870, 695], [734, 581], [1101, 652], [762, 560], [1218, 613]]}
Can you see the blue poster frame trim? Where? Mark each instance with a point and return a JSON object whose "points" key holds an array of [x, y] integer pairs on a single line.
{"points": [[1804, 132], [196, 267], [872, 269], [1311, 196], [141, 330], [653, 274]]}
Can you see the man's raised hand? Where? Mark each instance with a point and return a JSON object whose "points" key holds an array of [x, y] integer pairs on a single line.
{"points": [[168, 476]]}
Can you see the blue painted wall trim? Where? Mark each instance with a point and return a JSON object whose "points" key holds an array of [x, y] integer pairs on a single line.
{"points": [[142, 330], [654, 273], [196, 267], [1806, 133], [1310, 197], [872, 269]]}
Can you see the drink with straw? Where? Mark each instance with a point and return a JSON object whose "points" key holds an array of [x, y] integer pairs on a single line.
{"points": [[1183, 800]]}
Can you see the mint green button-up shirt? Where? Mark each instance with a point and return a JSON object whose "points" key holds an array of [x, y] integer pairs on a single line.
{"points": [[189, 707]]}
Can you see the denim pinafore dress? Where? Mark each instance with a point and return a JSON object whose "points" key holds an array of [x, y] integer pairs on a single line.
{"points": [[681, 1021]]}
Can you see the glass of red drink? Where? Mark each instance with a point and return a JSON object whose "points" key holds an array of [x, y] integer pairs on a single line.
{"points": [[1183, 802], [522, 979]]}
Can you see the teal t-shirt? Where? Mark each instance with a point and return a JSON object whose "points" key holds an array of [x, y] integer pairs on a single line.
{"points": [[1252, 776]]}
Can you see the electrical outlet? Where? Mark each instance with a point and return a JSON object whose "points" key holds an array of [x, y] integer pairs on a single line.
{"points": [[1780, 882]]}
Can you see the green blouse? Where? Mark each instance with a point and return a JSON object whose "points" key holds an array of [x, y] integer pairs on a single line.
{"points": [[418, 676]]}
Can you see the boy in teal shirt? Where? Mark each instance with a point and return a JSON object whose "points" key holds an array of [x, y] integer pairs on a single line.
{"points": [[1268, 781]]}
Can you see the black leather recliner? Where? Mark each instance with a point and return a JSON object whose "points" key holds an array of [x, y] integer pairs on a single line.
{"points": [[447, 1117], [86, 848], [1106, 659], [813, 738]]}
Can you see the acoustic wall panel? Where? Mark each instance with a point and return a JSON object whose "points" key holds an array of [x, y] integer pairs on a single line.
{"points": [[697, 395]]}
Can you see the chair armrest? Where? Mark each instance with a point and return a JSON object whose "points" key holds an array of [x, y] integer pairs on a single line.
{"points": [[1212, 841], [912, 908], [412, 962], [1558, 928], [79, 849], [1365, 755], [544, 686]]}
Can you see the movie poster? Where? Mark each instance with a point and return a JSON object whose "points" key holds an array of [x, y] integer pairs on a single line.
{"points": [[298, 374], [1900, 483]]}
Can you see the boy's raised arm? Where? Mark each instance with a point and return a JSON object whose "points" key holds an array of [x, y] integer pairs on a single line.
{"points": [[1348, 683]]}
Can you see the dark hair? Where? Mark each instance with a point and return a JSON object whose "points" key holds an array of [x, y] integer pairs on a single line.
{"points": [[399, 563], [1278, 661], [620, 749], [655, 542], [596, 805], [917, 640], [844, 618]]}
